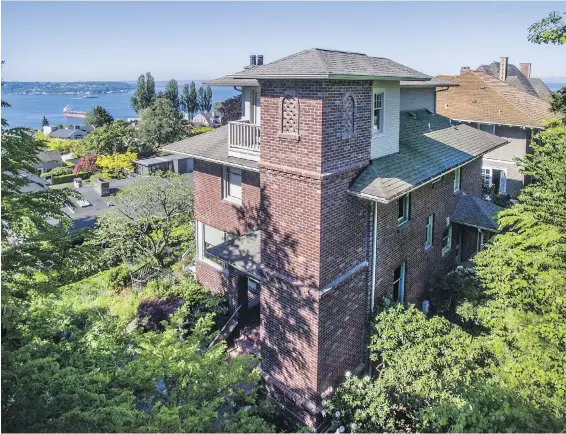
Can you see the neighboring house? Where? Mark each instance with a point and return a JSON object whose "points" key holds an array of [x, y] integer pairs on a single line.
{"points": [[209, 119], [340, 186], [48, 160], [498, 105], [173, 162], [76, 133]]}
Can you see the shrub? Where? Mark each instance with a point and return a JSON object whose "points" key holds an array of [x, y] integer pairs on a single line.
{"points": [[62, 179], [200, 130], [86, 164], [56, 172], [151, 312], [117, 165], [118, 278]]}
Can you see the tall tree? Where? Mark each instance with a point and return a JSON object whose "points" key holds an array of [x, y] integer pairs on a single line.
{"points": [[172, 93], [144, 94], [160, 124], [98, 116], [147, 218], [549, 30], [208, 99], [201, 99], [189, 102], [231, 109]]}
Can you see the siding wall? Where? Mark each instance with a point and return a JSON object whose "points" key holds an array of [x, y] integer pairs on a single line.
{"points": [[415, 99], [516, 148], [387, 142]]}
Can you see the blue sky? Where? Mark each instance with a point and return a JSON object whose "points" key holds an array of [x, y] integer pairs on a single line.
{"points": [[66, 41]]}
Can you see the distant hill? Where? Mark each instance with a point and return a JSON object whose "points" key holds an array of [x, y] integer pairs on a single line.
{"points": [[61, 88]]}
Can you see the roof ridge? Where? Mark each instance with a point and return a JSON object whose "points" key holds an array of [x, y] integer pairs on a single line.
{"points": [[322, 59]]}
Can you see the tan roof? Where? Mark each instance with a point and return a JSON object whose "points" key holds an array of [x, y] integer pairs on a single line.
{"points": [[483, 98]]}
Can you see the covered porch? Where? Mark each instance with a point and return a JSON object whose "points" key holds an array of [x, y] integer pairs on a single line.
{"points": [[243, 255]]}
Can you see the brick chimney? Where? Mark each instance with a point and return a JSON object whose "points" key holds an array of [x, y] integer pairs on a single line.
{"points": [[464, 69], [525, 69], [503, 68]]}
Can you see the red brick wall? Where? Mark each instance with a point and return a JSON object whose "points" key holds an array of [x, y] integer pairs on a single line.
{"points": [[406, 242], [212, 209], [314, 233]]}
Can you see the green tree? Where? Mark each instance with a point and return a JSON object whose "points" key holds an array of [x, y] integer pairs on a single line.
{"points": [[549, 30], [558, 103], [149, 217], [83, 362], [144, 94], [160, 124], [172, 93], [204, 99], [189, 100], [110, 138], [98, 116]]}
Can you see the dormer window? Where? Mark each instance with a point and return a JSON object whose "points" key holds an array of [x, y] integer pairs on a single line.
{"points": [[378, 98]]}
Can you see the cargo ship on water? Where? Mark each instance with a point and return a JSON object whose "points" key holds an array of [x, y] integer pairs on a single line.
{"points": [[67, 112]]}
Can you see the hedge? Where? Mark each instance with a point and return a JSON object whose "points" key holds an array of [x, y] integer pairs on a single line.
{"points": [[61, 179]]}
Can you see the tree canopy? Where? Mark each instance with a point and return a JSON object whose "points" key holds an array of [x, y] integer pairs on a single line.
{"points": [[145, 92], [204, 99], [98, 116], [549, 30], [148, 219], [189, 100], [161, 124], [172, 93]]}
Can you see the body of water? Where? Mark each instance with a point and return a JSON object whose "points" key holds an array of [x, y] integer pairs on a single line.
{"points": [[28, 110]]}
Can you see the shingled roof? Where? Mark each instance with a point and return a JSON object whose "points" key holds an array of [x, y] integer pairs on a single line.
{"points": [[476, 212], [211, 146], [231, 81], [433, 82], [318, 63], [531, 85], [481, 97], [429, 146]]}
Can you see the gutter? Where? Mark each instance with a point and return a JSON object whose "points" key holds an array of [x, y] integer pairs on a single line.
{"points": [[499, 123]]}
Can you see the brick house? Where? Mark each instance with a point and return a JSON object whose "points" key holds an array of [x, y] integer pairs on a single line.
{"points": [[340, 186], [504, 100]]}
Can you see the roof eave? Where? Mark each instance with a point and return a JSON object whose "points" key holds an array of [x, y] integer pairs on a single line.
{"points": [[422, 184], [215, 160], [540, 127]]}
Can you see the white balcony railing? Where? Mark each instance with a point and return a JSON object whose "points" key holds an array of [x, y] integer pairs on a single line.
{"points": [[243, 140]]}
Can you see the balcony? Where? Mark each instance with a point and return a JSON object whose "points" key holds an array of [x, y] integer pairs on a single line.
{"points": [[243, 140]]}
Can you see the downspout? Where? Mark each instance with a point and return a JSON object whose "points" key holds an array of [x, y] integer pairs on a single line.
{"points": [[373, 256]]}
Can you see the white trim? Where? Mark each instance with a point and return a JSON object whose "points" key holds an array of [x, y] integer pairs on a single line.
{"points": [[448, 247], [401, 280], [378, 91], [457, 179], [226, 185], [374, 256], [429, 241], [200, 247], [498, 123], [406, 210], [213, 160]]}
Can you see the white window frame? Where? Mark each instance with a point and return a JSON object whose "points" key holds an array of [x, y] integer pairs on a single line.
{"points": [[448, 246], [406, 209], [378, 95], [401, 281], [226, 176], [200, 246], [457, 179], [502, 184], [429, 239], [484, 173]]}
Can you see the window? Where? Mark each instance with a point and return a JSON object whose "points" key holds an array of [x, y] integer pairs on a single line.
{"points": [[429, 231], [378, 112], [233, 184], [207, 237], [457, 179], [399, 282], [403, 215], [486, 176], [447, 239], [502, 182]]}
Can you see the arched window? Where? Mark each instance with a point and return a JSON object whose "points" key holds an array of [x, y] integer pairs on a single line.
{"points": [[290, 115], [348, 114]]}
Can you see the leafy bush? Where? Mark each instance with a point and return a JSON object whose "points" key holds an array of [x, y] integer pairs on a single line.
{"points": [[117, 165], [86, 164], [58, 171], [62, 179], [119, 278], [200, 130], [152, 312]]}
